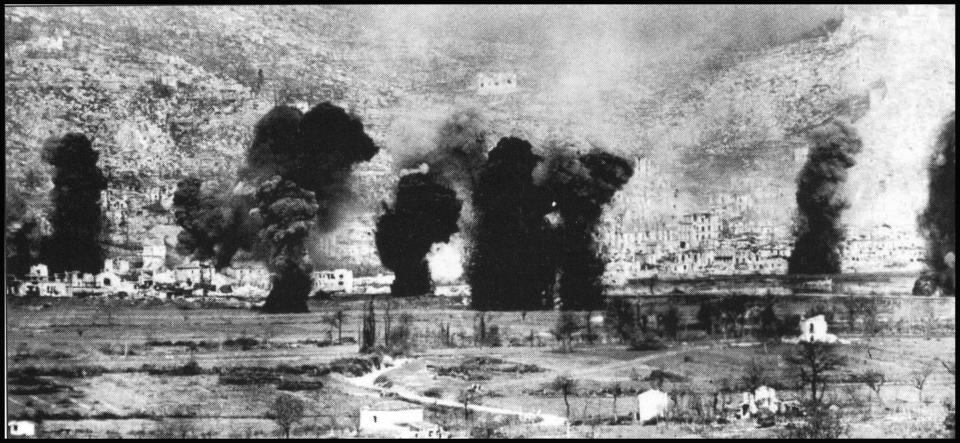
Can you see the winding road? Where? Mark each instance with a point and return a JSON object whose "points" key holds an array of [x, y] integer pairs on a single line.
{"points": [[368, 381]]}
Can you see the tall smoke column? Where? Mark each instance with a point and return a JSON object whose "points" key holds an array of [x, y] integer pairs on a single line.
{"points": [[288, 212], [216, 222], [938, 221], [424, 213], [310, 154], [582, 185], [821, 200], [77, 183], [512, 262]]}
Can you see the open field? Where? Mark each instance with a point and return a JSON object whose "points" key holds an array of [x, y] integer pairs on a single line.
{"points": [[120, 368]]}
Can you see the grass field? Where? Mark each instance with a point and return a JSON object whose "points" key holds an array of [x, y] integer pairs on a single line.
{"points": [[94, 368]]}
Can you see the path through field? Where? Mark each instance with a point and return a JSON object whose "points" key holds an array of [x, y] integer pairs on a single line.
{"points": [[367, 381]]}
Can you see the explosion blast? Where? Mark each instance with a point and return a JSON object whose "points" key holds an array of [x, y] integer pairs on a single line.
{"points": [[513, 259], [424, 213], [306, 160], [77, 183], [938, 222], [582, 185], [821, 200]]}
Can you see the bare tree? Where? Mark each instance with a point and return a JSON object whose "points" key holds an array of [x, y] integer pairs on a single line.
{"points": [[616, 390], [566, 386], [287, 410], [566, 326], [919, 378], [336, 321], [874, 380], [754, 375], [814, 361]]}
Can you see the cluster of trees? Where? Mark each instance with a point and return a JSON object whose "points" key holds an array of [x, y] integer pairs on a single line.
{"points": [[731, 316]]}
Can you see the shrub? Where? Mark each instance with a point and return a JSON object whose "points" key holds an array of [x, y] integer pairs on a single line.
{"points": [[646, 342], [433, 392]]}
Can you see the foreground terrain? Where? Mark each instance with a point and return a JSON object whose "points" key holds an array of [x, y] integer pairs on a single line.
{"points": [[121, 368]]}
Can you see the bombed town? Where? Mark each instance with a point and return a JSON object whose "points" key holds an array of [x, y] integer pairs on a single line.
{"points": [[480, 221]]}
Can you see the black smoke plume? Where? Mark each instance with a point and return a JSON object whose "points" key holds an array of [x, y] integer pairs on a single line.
{"points": [[513, 258], [288, 212], [316, 150], [76, 219], [23, 246], [216, 222], [424, 213], [582, 185], [459, 153], [938, 222], [821, 200], [301, 155]]}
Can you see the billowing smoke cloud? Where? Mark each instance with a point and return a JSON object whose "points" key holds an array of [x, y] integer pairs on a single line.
{"points": [[513, 258], [938, 222], [306, 160], [460, 150], [821, 199], [287, 211], [424, 213], [582, 185], [216, 222], [316, 150], [77, 183]]}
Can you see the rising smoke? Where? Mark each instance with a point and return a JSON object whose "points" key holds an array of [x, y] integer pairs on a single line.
{"points": [[582, 185], [938, 222], [513, 259], [821, 199], [216, 222], [76, 219], [287, 211], [306, 160], [424, 213]]}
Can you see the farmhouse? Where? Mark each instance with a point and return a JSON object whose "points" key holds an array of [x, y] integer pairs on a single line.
{"points": [[397, 419], [814, 329], [651, 404], [763, 398]]}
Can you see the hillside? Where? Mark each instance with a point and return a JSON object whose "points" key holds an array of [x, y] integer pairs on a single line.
{"points": [[166, 92]]}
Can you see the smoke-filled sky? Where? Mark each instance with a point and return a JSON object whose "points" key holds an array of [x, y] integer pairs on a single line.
{"points": [[591, 66]]}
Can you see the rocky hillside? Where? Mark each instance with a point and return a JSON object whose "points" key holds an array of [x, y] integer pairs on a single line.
{"points": [[166, 92]]}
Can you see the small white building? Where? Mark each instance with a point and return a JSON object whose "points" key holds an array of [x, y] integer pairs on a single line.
{"points": [[652, 404], [338, 280], [21, 428], [496, 83], [154, 255], [40, 271], [116, 265], [763, 398], [814, 329], [393, 418]]}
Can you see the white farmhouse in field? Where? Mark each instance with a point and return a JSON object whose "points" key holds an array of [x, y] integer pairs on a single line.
{"points": [[814, 329], [652, 404], [763, 398], [397, 419]]}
